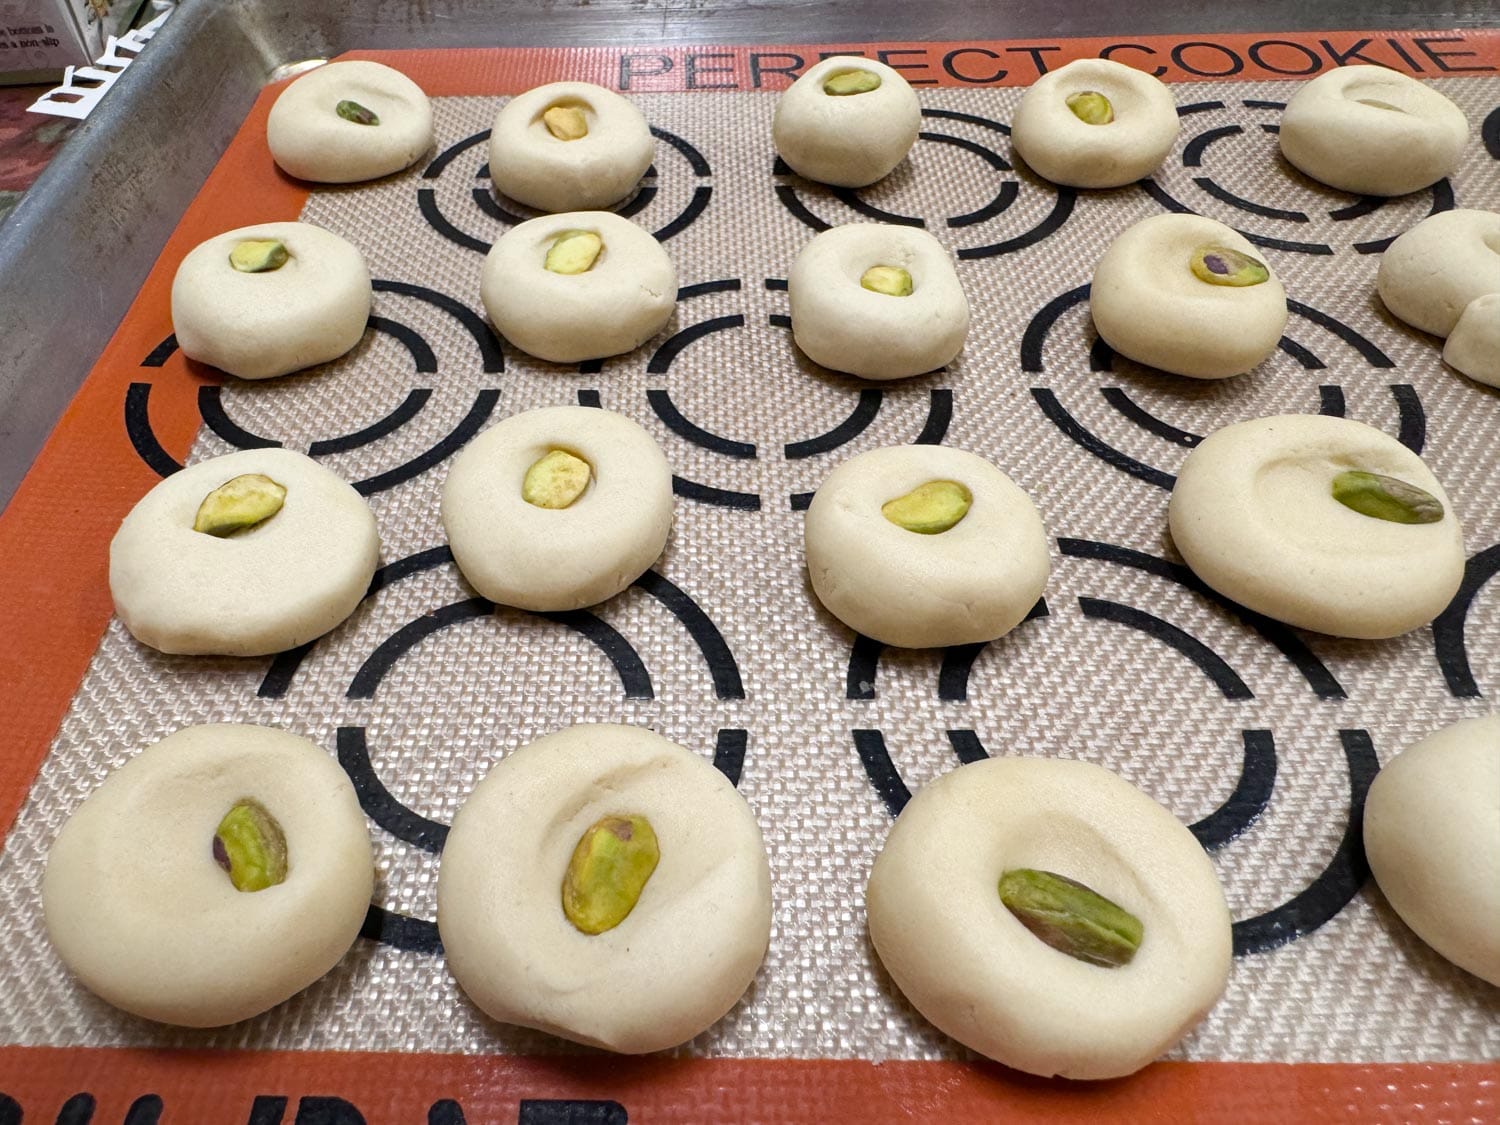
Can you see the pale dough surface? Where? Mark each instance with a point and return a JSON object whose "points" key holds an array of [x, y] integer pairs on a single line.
{"points": [[1253, 514], [682, 957], [850, 140], [260, 325], [141, 913], [1473, 346], [1432, 835], [1328, 132], [1434, 271], [533, 167], [1150, 307], [309, 140], [974, 582], [625, 299], [979, 975], [843, 326], [1060, 147], [269, 589], [544, 559]]}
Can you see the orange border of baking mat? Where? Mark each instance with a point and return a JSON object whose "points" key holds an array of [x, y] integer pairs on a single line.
{"points": [[54, 606]]}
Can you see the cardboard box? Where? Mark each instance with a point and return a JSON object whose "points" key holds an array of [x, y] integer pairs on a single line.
{"points": [[38, 38]]}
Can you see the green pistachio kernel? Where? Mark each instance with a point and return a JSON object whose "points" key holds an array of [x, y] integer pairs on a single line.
{"points": [[1219, 265], [931, 508], [353, 111], [556, 480], [1071, 917], [1091, 107], [1386, 498], [249, 844], [258, 255], [566, 122], [239, 504], [893, 281], [842, 83], [610, 866], [574, 251]]}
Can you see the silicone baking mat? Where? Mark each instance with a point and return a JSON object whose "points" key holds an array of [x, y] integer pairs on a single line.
{"points": [[1262, 738]]}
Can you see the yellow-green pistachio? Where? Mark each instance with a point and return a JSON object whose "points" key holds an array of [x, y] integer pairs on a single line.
{"points": [[842, 83], [1071, 918], [239, 504], [1386, 498], [893, 281], [556, 480], [574, 251], [358, 114], [258, 255], [1219, 265], [566, 122], [930, 508], [249, 844], [609, 869], [1091, 107]]}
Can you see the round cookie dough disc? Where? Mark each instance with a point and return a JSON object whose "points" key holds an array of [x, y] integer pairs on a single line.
{"points": [[545, 559], [843, 326], [625, 299], [1253, 514], [974, 582], [260, 325], [1432, 834], [533, 167], [1434, 271], [278, 585], [1473, 346], [850, 140], [1410, 137], [680, 959], [139, 910], [972, 968], [1149, 305], [1061, 147], [310, 140]]}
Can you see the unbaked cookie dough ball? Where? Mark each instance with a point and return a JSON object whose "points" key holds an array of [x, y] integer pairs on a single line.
{"points": [[973, 913], [349, 121], [1324, 523], [1473, 346], [607, 886], [558, 508], [1187, 295], [878, 301], [584, 285], [267, 300], [1095, 124], [243, 555], [923, 546], [1432, 835], [1372, 131], [1434, 271], [569, 146], [848, 121], [216, 874]]}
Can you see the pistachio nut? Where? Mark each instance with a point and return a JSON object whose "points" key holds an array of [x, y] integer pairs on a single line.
{"points": [[1071, 918], [893, 281], [574, 251], [1386, 498], [239, 504], [566, 122], [353, 111], [1091, 107], [610, 866], [556, 480], [1219, 265], [931, 508], [249, 844], [842, 83], [258, 255]]}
